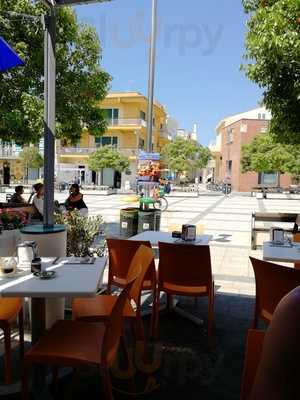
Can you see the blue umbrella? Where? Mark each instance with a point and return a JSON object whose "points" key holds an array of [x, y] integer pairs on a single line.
{"points": [[8, 57]]}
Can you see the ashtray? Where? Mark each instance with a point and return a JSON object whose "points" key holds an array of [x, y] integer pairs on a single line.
{"points": [[45, 274]]}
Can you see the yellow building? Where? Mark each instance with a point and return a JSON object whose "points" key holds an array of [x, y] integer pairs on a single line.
{"points": [[126, 131]]}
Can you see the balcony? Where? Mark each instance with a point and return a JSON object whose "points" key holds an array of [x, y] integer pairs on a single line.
{"points": [[121, 122]]}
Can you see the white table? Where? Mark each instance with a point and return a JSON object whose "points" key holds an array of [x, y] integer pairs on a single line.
{"points": [[285, 253], [80, 280], [156, 236]]}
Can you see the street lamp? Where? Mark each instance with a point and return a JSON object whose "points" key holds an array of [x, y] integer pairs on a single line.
{"points": [[49, 100]]}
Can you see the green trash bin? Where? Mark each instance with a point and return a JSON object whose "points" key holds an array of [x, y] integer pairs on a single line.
{"points": [[157, 219], [147, 221], [128, 222]]}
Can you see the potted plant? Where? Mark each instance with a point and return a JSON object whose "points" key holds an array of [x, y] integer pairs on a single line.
{"points": [[10, 223], [84, 234]]}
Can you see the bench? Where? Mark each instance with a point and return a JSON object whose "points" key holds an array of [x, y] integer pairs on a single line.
{"points": [[266, 189], [269, 217]]}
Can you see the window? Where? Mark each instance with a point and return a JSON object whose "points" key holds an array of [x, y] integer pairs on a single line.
{"points": [[263, 129], [229, 135], [268, 179], [244, 128], [229, 168], [263, 116], [143, 115], [106, 141], [111, 114], [259, 116]]}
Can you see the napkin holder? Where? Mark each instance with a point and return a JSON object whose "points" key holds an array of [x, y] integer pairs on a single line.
{"points": [[188, 233], [277, 235]]}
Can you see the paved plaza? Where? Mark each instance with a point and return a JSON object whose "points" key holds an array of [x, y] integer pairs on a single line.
{"points": [[227, 219]]}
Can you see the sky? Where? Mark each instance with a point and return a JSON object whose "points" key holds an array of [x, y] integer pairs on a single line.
{"points": [[200, 48]]}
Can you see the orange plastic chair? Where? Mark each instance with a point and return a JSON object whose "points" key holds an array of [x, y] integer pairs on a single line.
{"points": [[252, 357], [10, 308], [185, 270], [98, 309], [296, 238], [121, 253], [76, 343], [273, 282]]}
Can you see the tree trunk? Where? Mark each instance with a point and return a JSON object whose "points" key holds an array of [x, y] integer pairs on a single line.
{"points": [[278, 178]]}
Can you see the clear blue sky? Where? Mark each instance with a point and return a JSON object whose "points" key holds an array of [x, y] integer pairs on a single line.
{"points": [[200, 48]]}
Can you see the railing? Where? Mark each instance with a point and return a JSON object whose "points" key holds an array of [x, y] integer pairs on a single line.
{"points": [[8, 152], [126, 122], [76, 150], [127, 151]]}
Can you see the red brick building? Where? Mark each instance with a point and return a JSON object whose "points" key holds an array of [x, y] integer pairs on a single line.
{"points": [[235, 131]]}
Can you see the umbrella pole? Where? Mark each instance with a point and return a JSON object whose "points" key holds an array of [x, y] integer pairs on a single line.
{"points": [[151, 79], [49, 116]]}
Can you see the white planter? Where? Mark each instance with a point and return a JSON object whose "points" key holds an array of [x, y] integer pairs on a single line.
{"points": [[8, 242]]}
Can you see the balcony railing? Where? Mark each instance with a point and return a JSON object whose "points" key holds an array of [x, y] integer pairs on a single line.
{"points": [[8, 152], [76, 150], [126, 122], [127, 151]]}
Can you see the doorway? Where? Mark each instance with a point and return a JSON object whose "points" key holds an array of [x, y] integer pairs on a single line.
{"points": [[6, 174], [117, 180]]}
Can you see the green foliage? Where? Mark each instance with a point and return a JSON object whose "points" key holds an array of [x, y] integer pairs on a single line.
{"points": [[273, 56], [107, 157], [264, 154], [30, 157], [82, 233], [185, 155], [81, 82]]}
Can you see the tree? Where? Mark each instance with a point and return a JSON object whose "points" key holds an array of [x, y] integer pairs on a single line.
{"points": [[263, 154], [183, 155], [273, 56], [80, 81], [107, 157], [30, 157]]}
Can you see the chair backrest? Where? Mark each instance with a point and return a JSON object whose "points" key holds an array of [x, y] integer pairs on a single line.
{"points": [[142, 260], [273, 282], [296, 238], [114, 327], [184, 264], [121, 253], [254, 347]]}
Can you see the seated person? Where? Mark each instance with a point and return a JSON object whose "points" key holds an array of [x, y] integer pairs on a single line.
{"points": [[277, 376], [38, 199], [75, 200], [17, 197]]}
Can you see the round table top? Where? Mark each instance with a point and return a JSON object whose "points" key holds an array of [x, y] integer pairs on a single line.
{"points": [[42, 230]]}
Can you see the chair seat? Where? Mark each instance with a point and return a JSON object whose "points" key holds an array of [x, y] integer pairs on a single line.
{"points": [[184, 290], [69, 343], [9, 308], [98, 308]]}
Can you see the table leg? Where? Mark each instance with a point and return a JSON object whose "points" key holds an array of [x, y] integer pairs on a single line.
{"points": [[38, 327], [38, 318]]}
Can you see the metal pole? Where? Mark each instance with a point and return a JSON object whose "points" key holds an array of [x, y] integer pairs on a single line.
{"points": [[151, 75], [49, 116]]}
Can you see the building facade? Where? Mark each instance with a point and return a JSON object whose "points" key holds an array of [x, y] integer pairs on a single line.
{"points": [[11, 170], [126, 132], [232, 133]]}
